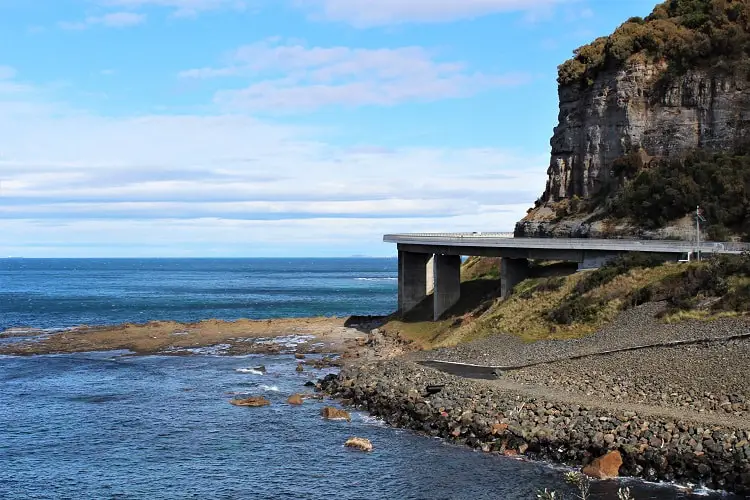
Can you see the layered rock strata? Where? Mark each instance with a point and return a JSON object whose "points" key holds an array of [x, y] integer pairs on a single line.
{"points": [[641, 109]]}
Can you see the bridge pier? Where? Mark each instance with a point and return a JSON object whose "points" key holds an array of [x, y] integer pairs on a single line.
{"points": [[512, 272], [412, 279], [447, 291]]}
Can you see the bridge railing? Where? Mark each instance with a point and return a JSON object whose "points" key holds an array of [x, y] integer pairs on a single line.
{"points": [[453, 235], [576, 243]]}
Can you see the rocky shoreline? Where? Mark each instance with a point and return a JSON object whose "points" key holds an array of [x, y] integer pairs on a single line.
{"points": [[495, 419]]}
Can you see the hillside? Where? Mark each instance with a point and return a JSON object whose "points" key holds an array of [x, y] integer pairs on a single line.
{"points": [[654, 120], [560, 305]]}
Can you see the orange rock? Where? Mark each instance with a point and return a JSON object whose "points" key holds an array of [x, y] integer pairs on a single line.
{"points": [[299, 356], [510, 453], [605, 467], [498, 428], [254, 401], [295, 399], [331, 413], [359, 443]]}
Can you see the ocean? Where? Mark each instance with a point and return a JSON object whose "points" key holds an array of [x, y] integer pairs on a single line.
{"points": [[116, 426]]}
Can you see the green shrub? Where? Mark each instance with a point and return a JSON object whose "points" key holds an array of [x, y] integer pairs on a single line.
{"points": [[579, 307], [671, 189], [711, 278], [682, 32]]}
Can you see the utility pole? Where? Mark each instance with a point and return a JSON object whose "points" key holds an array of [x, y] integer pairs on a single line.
{"points": [[698, 219]]}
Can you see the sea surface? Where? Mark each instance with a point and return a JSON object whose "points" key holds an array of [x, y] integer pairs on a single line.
{"points": [[111, 425], [60, 293]]}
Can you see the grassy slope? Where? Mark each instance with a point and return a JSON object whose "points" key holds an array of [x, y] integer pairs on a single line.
{"points": [[482, 313]]}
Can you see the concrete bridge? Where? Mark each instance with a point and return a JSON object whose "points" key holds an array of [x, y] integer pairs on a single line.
{"points": [[432, 261]]}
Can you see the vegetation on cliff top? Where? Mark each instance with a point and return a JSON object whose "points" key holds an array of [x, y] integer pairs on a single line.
{"points": [[683, 33]]}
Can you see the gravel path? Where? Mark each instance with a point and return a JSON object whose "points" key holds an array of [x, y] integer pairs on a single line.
{"points": [[709, 380]]}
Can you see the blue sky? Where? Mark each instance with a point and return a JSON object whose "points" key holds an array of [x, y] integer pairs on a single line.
{"points": [[137, 128]]}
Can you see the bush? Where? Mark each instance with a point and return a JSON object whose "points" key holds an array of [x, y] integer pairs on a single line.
{"points": [[581, 308], [699, 281], [682, 32], [671, 189]]}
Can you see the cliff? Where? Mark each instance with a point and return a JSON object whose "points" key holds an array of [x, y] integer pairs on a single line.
{"points": [[673, 90]]}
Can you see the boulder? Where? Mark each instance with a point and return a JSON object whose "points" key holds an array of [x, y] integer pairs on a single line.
{"points": [[254, 401], [261, 368], [605, 467], [300, 368], [331, 413], [499, 428], [295, 399], [299, 356], [359, 444]]}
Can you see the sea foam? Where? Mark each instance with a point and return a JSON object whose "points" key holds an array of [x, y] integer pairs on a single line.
{"points": [[249, 370]]}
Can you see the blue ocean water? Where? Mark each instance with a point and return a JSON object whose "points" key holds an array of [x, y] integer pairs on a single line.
{"points": [[115, 426], [60, 293]]}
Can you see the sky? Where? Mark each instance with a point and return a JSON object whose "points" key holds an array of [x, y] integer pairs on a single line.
{"points": [[276, 128]]}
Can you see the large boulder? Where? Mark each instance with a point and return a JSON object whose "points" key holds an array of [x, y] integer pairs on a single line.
{"points": [[295, 399], [605, 467], [254, 401], [359, 444], [331, 413]]}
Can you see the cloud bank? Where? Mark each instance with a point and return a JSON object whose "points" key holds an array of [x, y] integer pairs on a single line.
{"points": [[76, 183]]}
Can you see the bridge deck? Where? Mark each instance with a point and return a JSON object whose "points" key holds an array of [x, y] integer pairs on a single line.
{"points": [[506, 241]]}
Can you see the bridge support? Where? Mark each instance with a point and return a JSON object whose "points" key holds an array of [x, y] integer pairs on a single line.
{"points": [[447, 272], [412, 279], [512, 272]]}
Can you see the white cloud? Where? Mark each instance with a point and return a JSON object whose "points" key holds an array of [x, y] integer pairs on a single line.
{"points": [[293, 77], [366, 13], [76, 183], [110, 20], [181, 8]]}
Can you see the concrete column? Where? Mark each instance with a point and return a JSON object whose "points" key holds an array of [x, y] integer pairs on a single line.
{"points": [[430, 275], [512, 272], [447, 270], [412, 279]]}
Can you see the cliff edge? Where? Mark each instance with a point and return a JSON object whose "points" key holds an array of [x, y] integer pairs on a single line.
{"points": [[645, 113]]}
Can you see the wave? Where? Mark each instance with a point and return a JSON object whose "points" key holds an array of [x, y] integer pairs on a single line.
{"points": [[249, 370], [375, 279], [270, 388]]}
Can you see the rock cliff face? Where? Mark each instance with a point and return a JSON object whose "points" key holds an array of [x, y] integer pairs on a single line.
{"points": [[640, 108]]}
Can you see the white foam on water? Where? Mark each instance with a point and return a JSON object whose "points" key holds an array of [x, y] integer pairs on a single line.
{"points": [[214, 350], [286, 340], [370, 420], [270, 388], [249, 370], [375, 279]]}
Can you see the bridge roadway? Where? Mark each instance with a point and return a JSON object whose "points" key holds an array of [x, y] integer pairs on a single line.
{"points": [[431, 262]]}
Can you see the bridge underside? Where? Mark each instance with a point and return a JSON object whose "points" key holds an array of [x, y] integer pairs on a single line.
{"points": [[437, 268]]}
